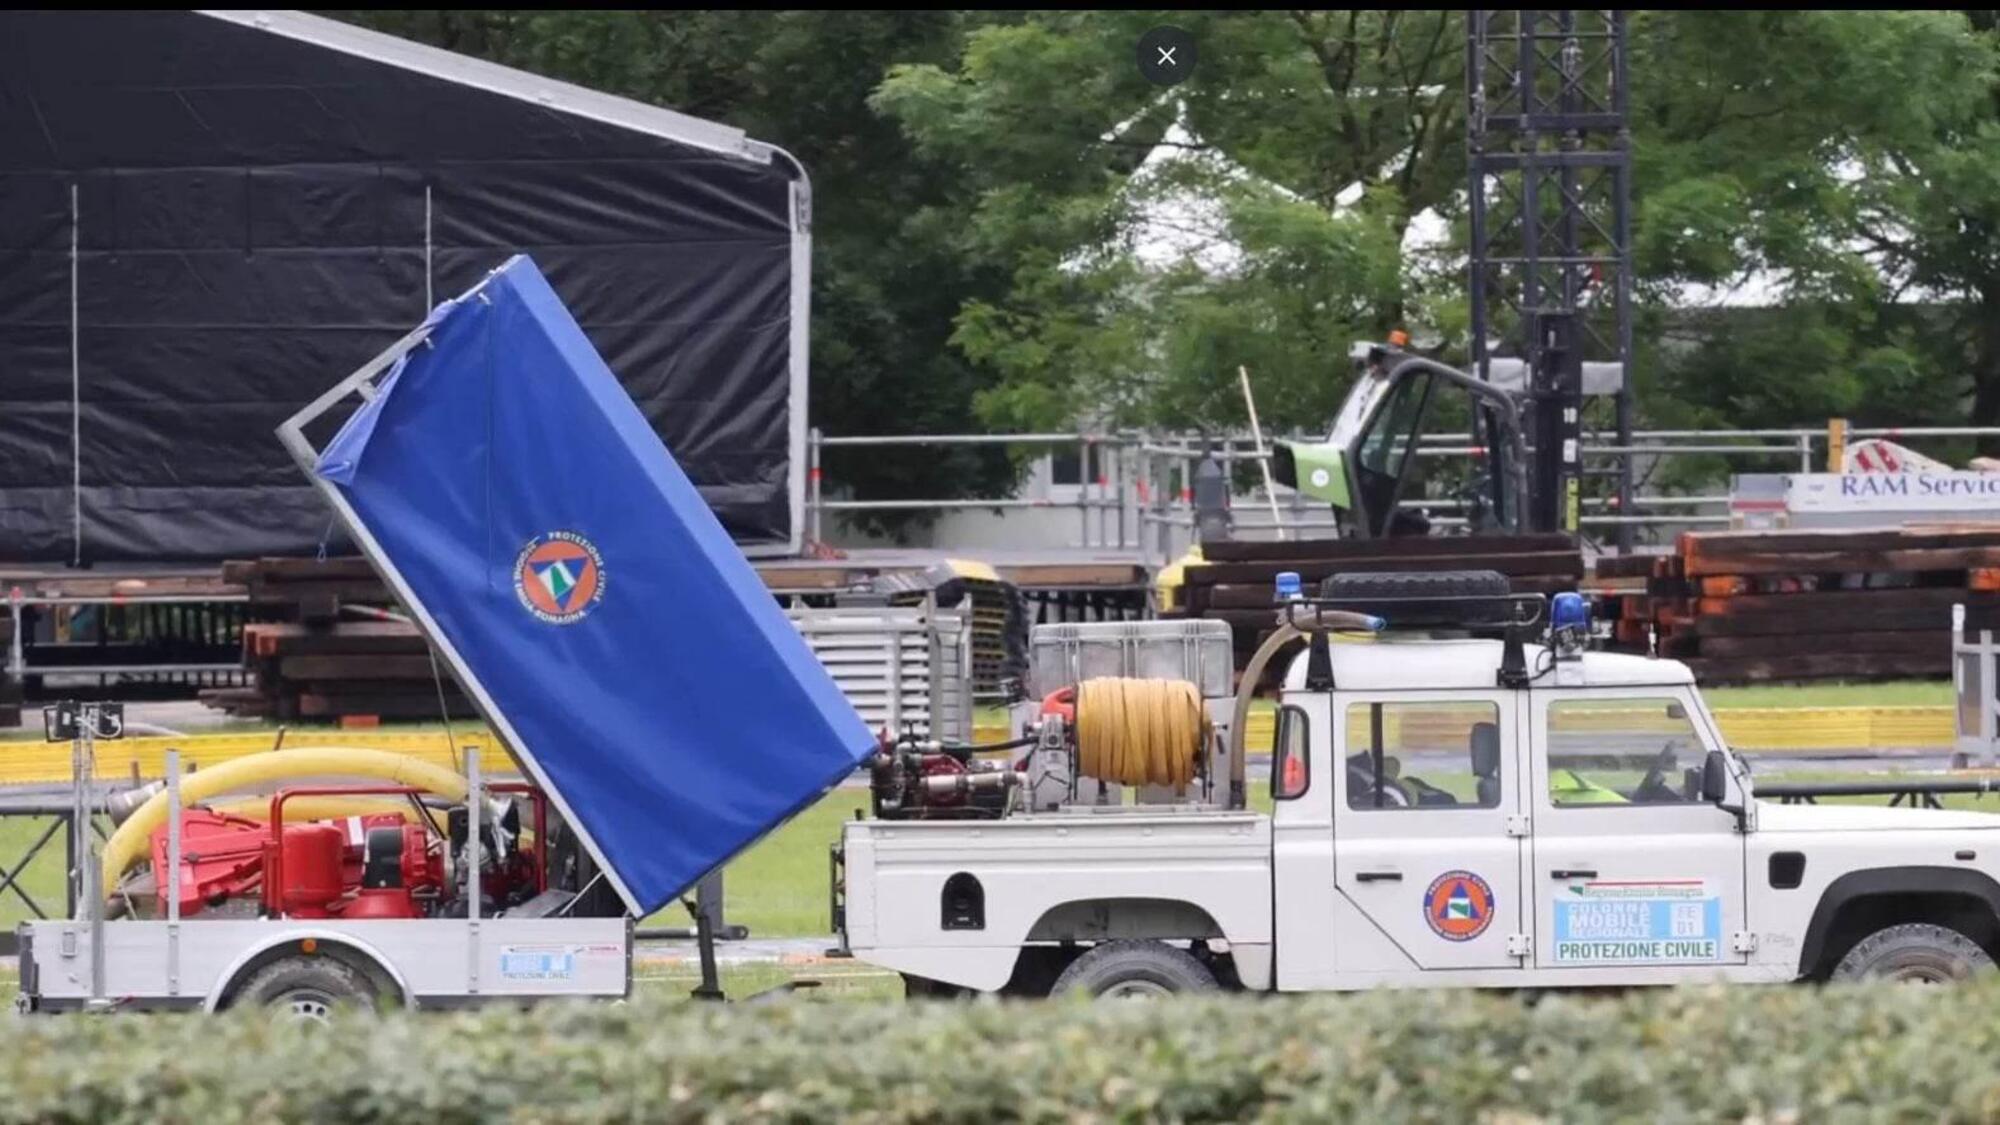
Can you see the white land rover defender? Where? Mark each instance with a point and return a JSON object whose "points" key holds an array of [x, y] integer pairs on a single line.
{"points": [[1465, 797]]}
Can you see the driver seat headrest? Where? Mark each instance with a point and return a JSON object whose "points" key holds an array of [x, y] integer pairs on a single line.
{"points": [[1485, 747]]}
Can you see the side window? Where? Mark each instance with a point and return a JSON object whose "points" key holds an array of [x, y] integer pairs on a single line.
{"points": [[1622, 752], [1291, 763], [1423, 755]]}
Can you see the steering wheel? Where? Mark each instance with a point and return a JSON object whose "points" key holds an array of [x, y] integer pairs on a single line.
{"points": [[1653, 788], [1361, 786], [1470, 491]]}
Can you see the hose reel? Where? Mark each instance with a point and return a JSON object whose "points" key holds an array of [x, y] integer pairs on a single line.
{"points": [[1140, 732]]}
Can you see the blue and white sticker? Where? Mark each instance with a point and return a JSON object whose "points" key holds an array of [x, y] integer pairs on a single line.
{"points": [[537, 962], [1638, 922]]}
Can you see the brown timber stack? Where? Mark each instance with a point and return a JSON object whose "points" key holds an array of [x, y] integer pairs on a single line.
{"points": [[1862, 604], [320, 661], [1236, 583]]}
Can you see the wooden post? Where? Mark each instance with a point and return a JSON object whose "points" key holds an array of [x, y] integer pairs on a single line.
{"points": [[1836, 444]]}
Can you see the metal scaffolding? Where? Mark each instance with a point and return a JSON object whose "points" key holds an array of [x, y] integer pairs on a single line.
{"points": [[1550, 266]]}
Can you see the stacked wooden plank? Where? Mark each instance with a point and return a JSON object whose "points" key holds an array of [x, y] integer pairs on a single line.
{"points": [[1756, 606], [321, 659], [1236, 583], [309, 589], [343, 670]]}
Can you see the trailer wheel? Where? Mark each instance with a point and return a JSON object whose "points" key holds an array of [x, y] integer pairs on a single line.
{"points": [[1916, 953], [1134, 970], [307, 989]]}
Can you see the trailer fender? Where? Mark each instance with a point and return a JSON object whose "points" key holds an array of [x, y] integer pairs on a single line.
{"points": [[327, 940]]}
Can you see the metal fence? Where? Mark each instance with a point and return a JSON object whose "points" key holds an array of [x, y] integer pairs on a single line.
{"points": [[898, 665], [1135, 490], [187, 638]]}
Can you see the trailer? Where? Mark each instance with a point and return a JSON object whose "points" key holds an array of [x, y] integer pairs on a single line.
{"points": [[660, 710]]}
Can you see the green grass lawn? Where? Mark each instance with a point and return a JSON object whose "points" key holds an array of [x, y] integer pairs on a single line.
{"points": [[779, 887]]}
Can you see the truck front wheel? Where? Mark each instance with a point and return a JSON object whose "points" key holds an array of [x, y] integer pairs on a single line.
{"points": [[1917, 953], [1134, 970]]}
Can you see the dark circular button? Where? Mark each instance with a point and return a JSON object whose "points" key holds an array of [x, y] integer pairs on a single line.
{"points": [[1166, 56]]}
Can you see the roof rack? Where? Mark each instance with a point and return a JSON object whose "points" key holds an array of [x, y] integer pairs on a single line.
{"points": [[1518, 618]]}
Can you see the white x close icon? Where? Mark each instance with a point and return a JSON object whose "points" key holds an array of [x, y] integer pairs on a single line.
{"points": [[1167, 56]]}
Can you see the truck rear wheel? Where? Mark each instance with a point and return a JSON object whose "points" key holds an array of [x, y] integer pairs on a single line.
{"points": [[1134, 970], [1917, 953], [307, 989]]}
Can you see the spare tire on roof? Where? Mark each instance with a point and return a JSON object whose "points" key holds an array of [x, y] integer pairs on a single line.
{"points": [[1446, 598]]}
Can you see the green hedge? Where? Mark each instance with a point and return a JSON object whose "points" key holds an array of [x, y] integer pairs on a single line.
{"points": [[1765, 1055]]}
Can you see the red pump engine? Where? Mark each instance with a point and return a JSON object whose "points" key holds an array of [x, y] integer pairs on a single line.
{"points": [[361, 867], [319, 873]]}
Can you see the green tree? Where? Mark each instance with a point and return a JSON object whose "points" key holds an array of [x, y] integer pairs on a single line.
{"points": [[1796, 155], [1844, 164], [1282, 115]]}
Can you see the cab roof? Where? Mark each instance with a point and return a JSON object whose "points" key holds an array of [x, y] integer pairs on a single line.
{"points": [[1392, 663]]}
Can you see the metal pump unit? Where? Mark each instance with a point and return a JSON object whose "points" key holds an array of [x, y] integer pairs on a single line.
{"points": [[1123, 705]]}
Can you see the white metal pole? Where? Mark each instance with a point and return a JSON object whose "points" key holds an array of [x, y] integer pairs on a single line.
{"points": [[171, 878], [475, 794], [1263, 462], [75, 380], [92, 862]]}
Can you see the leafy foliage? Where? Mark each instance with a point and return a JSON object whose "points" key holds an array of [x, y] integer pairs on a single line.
{"points": [[1874, 1053], [1832, 167]]}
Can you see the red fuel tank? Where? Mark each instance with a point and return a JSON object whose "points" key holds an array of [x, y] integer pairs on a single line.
{"points": [[311, 869]]}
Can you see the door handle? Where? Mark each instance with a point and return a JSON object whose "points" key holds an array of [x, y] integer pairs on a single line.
{"points": [[1573, 873], [1378, 877]]}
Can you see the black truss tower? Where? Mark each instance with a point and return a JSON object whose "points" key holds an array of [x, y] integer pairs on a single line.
{"points": [[1550, 271]]}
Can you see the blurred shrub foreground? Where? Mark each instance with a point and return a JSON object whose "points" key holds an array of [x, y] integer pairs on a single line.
{"points": [[1765, 1055]]}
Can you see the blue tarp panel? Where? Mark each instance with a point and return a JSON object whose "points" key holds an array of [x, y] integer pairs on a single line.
{"points": [[598, 604]]}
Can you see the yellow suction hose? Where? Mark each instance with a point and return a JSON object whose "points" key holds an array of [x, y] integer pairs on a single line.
{"points": [[129, 844]]}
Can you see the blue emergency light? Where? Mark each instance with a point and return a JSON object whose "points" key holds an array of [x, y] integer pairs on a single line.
{"points": [[1569, 625], [1290, 589], [1569, 612]]}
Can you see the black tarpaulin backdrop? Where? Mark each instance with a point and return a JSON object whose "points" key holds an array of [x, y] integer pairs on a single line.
{"points": [[251, 227]]}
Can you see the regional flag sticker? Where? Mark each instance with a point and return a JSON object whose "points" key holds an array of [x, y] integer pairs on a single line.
{"points": [[559, 577], [1458, 905]]}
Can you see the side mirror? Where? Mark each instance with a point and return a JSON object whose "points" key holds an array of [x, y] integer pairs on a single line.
{"points": [[1676, 712], [1715, 777]]}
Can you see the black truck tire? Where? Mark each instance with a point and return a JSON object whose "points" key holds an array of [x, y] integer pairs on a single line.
{"points": [[1134, 969], [1412, 597], [307, 988], [1916, 952]]}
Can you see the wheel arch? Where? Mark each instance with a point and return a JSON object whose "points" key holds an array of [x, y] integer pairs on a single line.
{"points": [[360, 954], [1856, 890], [1102, 918]]}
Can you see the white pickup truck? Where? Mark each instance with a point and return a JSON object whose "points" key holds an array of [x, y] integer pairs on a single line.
{"points": [[1437, 822]]}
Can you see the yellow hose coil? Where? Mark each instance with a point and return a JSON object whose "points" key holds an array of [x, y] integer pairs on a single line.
{"points": [[1140, 732], [129, 844]]}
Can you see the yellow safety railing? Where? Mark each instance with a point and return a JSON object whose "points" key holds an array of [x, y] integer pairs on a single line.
{"points": [[1765, 730]]}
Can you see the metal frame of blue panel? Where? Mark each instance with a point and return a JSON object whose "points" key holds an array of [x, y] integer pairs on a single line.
{"points": [[292, 434]]}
